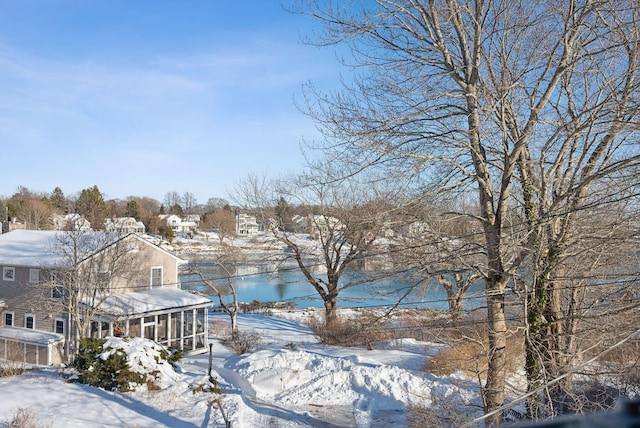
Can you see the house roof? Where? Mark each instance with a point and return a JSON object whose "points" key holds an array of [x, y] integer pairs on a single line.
{"points": [[28, 335], [28, 248], [37, 248], [154, 300], [123, 221]]}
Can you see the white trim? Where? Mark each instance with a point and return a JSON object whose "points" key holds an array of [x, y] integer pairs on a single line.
{"points": [[13, 318], [34, 276], [161, 268], [8, 273], [64, 325], [60, 289], [26, 317]]}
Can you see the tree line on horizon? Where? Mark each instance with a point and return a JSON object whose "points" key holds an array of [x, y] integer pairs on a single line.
{"points": [[36, 208]]}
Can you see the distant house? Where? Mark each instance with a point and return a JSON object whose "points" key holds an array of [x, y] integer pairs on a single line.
{"points": [[124, 225], [144, 300], [177, 223], [70, 222], [246, 224], [299, 224], [320, 225], [193, 218]]}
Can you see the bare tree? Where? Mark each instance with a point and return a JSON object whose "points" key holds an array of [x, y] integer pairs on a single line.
{"points": [[440, 248], [223, 287], [215, 203], [222, 220], [86, 265], [485, 95], [173, 202], [35, 214], [582, 264], [342, 220], [189, 202]]}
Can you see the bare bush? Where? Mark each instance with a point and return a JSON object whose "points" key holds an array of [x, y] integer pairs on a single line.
{"points": [[443, 412], [467, 351], [364, 330], [243, 342], [11, 368], [25, 418]]}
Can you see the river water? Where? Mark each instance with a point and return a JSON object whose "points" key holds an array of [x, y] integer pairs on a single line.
{"points": [[266, 283]]}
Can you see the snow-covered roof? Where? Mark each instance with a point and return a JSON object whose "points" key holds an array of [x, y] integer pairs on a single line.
{"points": [[156, 299], [28, 248], [37, 248], [30, 336]]}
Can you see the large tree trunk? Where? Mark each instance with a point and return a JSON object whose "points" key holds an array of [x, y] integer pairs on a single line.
{"points": [[331, 312], [330, 299], [494, 389], [492, 208]]}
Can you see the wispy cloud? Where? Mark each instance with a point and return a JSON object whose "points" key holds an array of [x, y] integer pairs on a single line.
{"points": [[214, 114]]}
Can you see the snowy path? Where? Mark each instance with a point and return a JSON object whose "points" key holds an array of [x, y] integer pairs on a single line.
{"points": [[310, 415]]}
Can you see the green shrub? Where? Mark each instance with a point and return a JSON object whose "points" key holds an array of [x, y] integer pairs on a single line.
{"points": [[173, 356], [167, 233], [111, 374]]}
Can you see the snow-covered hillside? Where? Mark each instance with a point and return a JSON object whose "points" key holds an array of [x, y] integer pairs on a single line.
{"points": [[289, 380]]}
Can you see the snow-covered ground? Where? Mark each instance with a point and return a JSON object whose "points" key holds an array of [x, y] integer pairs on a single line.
{"points": [[290, 380]]}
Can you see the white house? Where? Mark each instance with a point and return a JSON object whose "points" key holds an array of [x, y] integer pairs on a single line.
{"points": [[177, 223], [70, 222], [246, 224], [320, 225], [124, 225]]}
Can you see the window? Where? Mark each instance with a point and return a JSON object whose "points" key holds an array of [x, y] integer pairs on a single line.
{"points": [[57, 292], [58, 325], [30, 321], [104, 281], [9, 273], [8, 318], [156, 277], [34, 276]]}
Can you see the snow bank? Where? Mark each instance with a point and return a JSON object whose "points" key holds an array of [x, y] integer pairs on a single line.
{"points": [[144, 357], [295, 378]]}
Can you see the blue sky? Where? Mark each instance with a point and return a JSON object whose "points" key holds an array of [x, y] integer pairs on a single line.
{"points": [[146, 97]]}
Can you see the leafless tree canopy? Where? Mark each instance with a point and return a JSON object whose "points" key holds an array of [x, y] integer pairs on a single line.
{"points": [[530, 105], [342, 218]]}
